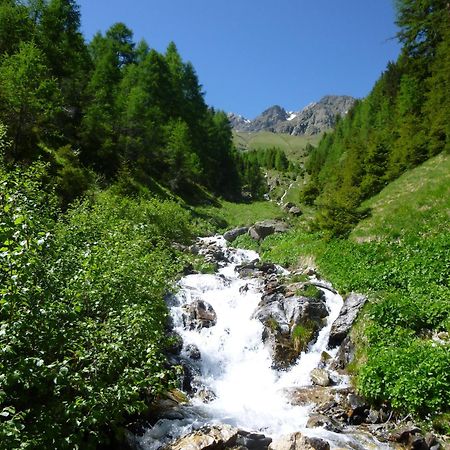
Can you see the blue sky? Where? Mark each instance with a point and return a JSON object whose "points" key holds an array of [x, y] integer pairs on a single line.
{"points": [[251, 54]]}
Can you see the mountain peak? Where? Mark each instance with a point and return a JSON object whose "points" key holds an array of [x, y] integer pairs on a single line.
{"points": [[312, 119]]}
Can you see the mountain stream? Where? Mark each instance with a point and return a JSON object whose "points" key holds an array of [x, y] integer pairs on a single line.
{"points": [[236, 366]]}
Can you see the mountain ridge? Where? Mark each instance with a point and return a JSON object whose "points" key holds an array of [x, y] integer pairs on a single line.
{"points": [[314, 118]]}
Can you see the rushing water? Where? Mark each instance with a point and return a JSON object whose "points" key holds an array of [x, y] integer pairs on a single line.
{"points": [[236, 365]]}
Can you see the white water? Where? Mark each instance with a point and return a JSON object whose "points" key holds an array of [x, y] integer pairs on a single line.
{"points": [[236, 365]]}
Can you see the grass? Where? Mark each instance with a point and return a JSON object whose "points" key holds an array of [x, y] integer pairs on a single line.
{"points": [[418, 201], [293, 146], [229, 215]]}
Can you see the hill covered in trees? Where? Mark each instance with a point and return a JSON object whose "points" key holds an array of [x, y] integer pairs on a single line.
{"points": [[403, 121], [105, 107]]}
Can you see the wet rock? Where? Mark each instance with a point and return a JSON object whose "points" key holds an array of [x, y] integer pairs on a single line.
{"points": [[267, 268], [345, 355], [193, 352], [341, 326], [168, 406], [297, 441], [175, 343], [253, 441], [320, 420], [261, 230], [417, 443], [205, 395], [373, 416], [403, 434], [358, 409], [207, 438], [199, 314], [189, 376], [320, 377], [247, 270], [290, 323], [431, 440], [319, 395], [231, 235], [214, 253]]}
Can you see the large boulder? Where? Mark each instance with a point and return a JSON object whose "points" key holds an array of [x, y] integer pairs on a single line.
{"points": [[290, 323], [297, 441], [199, 314], [261, 230], [231, 235], [342, 325], [207, 438]]}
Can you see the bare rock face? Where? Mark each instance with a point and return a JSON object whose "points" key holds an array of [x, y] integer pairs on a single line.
{"points": [[317, 117], [198, 315], [341, 326], [297, 441], [313, 119]]}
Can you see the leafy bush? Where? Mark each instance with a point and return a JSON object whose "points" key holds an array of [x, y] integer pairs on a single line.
{"points": [[412, 373], [82, 315]]}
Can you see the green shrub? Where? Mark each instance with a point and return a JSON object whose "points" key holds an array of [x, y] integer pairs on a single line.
{"points": [[82, 315]]}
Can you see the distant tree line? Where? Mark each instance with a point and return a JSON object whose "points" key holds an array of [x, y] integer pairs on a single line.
{"points": [[109, 105], [250, 165], [404, 121]]}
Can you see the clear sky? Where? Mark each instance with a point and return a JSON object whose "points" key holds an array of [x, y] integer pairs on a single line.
{"points": [[252, 54]]}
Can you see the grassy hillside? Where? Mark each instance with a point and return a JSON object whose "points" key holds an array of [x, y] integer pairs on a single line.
{"points": [[418, 201], [293, 146]]}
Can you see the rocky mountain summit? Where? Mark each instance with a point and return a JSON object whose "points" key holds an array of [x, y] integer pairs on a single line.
{"points": [[313, 119]]}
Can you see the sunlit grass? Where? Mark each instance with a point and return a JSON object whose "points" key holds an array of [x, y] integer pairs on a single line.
{"points": [[418, 201]]}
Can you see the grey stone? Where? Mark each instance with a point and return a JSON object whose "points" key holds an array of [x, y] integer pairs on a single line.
{"points": [[193, 352], [261, 230], [342, 325], [207, 438], [231, 235], [295, 211], [199, 314], [320, 420], [320, 377], [296, 441]]}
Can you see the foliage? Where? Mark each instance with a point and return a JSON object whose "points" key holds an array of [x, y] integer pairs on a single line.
{"points": [[82, 315], [310, 291]]}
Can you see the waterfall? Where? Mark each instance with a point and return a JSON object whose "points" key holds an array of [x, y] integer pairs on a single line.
{"points": [[235, 364]]}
